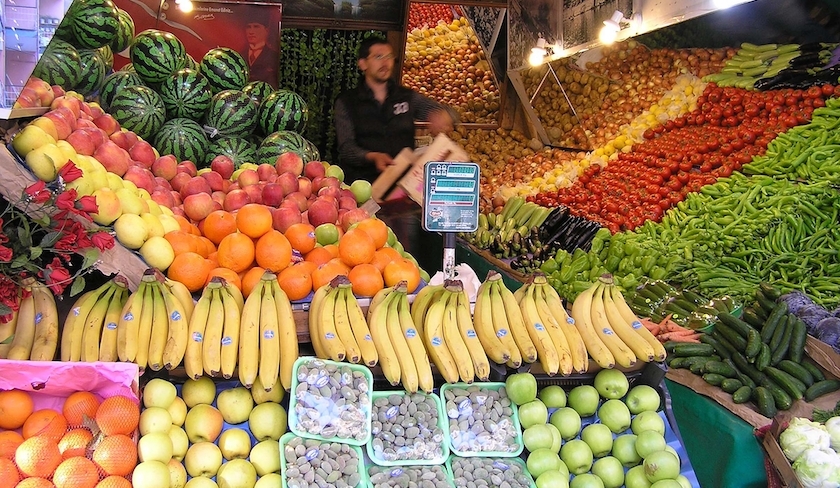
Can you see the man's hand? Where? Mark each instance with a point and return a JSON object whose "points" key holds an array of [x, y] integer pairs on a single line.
{"points": [[440, 122], [381, 160]]}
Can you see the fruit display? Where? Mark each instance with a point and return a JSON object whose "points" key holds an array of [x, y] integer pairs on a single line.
{"points": [[513, 231], [510, 470], [35, 93], [427, 476], [32, 331]]}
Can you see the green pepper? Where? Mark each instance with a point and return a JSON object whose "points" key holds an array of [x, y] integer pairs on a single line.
{"points": [[629, 282], [566, 274], [648, 262], [616, 248], [549, 266], [612, 263], [631, 249], [625, 264], [657, 273], [580, 262], [579, 287]]}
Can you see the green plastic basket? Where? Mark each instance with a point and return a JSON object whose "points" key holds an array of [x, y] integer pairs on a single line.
{"points": [[514, 418], [444, 443], [502, 463], [327, 406], [397, 471], [288, 436]]}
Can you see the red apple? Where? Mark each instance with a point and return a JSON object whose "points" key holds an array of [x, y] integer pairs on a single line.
{"points": [[163, 197], [83, 122], [196, 184], [330, 191], [266, 171], [288, 182], [313, 169], [247, 177], [84, 110], [73, 103], [45, 93], [323, 211], [143, 152], [272, 194], [162, 183], [58, 90], [305, 186], [352, 217], [299, 199], [165, 166], [115, 159], [214, 179], [177, 182], [223, 165], [176, 197], [141, 177], [96, 110], [347, 203], [236, 199], [289, 162], [198, 206], [254, 193], [107, 123], [219, 196], [27, 98], [284, 217], [64, 121], [188, 167], [124, 138], [81, 142]]}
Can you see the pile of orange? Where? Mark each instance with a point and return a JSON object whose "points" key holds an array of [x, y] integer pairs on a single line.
{"points": [[50, 448]]}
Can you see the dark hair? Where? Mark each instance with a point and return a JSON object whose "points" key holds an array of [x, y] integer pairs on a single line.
{"points": [[364, 47]]}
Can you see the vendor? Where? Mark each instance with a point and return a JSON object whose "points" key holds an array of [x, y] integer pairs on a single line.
{"points": [[375, 120]]}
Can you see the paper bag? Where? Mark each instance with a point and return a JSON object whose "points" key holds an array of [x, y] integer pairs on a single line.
{"points": [[442, 149]]}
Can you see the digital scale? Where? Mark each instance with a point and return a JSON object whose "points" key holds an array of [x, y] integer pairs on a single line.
{"points": [[450, 204]]}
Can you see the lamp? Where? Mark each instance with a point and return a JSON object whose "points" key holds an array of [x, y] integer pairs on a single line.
{"points": [[612, 26], [184, 5], [538, 52]]}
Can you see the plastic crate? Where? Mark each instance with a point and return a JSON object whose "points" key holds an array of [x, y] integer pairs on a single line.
{"points": [[363, 478], [454, 445], [444, 442]]}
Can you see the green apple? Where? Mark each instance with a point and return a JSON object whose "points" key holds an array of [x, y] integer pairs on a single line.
{"points": [[586, 480], [553, 479], [361, 191], [235, 443], [177, 474], [326, 234], [42, 161], [155, 419], [542, 460], [204, 423], [599, 439], [649, 442], [265, 456], [235, 404], [150, 474], [577, 455], [610, 470], [648, 420], [156, 446], [521, 388], [661, 465], [201, 390], [108, 207], [201, 482], [635, 478], [271, 480], [336, 172], [615, 415], [584, 399], [683, 481], [611, 383], [624, 449], [533, 413], [267, 421], [180, 442], [178, 411], [30, 138], [159, 393], [666, 484], [557, 439], [567, 421], [261, 395], [237, 473], [203, 459], [641, 398], [538, 437], [553, 396]]}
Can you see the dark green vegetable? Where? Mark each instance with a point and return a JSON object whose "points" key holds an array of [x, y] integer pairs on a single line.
{"points": [[813, 369], [686, 350], [734, 338], [763, 358], [782, 400], [719, 348], [743, 394], [781, 352], [797, 371], [821, 388], [736, 324], [713, 379], [719, 367], [730, 385], [791, 385], [822, 416], [797, 341], [773, 321], [753, 344], [764, 401]]}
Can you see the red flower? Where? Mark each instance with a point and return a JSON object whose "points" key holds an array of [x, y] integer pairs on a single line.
{"points": [[66, 200], [56, 276], [6, 254], [38, 192], [67, 242], [69, 172], [102, 240], [87, 205]]}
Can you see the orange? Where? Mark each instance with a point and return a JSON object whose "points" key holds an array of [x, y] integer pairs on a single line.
{"points": [[301, 236], [181, 241], [116, 455], [205, 244], [218, 224], [296, 280], [9, 474], [383, 256], [118, 414], [319, 256], [326, 272], [228, 274], [76, 472], [15, 407], [114, 482], [75, 443], [213, 260], [38, 456], [376, 229], [254, 220], [273, 251], [250, 279], [236, 252], [9, 441], [356, 247], [399, 270], [366, 280], [79, 405], [184, 223], [190, 269], [35, 483], [45, 422], [333, 249]]}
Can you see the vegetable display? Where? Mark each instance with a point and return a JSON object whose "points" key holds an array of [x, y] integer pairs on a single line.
{"points": [[808, 446]]}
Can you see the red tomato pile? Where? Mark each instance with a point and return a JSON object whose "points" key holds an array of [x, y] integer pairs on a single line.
{"points": [[428, 14], [729, 127]]}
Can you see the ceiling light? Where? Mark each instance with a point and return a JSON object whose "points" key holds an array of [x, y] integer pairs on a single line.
{"points": [[538, 52], [612, 26]]}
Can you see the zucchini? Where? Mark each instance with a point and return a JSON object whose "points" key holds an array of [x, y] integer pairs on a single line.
{"points": [[764, 401], [719, 348], [773, 321], [749, 316], [753, 344], [781, 352], [676, 311], [736, 324], [698, 366], [713, 379], [742, 394], [797, 341], [797, 371], [670, 345], [766, 304], [719, 367], [759, 312], [690, 349], [792, 386], [694, 298], [683, 304], [780, 397], [820, 388], [763, 358], [730, 385], [733, 337], [814, 370]]}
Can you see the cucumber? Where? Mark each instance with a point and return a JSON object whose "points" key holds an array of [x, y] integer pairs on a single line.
{"points": [[780, 397], [797, 341], [698, 366], [753, 344], [781, 352], [759, 312], [814, 370], [649, 294], [687, 350], [676, 363], [735, 324], [724, 342], [763, 358], [745, 367], [719, 367], [776, 340], [766, 304], [740, 375], [820, 388], [733, 337], [730, 385], [670, 345], [792, 386], [769, 291], [797, 371], [719, 348], [694, 298], [676, 311], [713, 379], [684, 304], [749, 316], [764, 401], [742, 395], [773, 321]]}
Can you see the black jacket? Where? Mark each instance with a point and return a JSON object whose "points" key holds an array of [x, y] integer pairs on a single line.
{"points": [[266, 67]]}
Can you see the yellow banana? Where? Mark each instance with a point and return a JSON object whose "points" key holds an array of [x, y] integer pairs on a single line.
{"points": [[483, 322], [235, 292], [160, 328], [193, 364], [211, 352], [624, 330], [178, 328], [547, 349], [287, 328], [73, 330], [378, 298], [582, 314], [144, 329], [230, 332], [436, 342], [183, 295], [129, 325], [361, 331], [384, 349], [24, 330], [481, 364], [108, 337], [92, 328], [452, 337], [249, 337], [516, 324], [519, 294], [425, 379], [45, 342], [315, 320], [7, 330], [556, 332], [623, 355], [629, 317], [329, 336], [422, 300], [580, 358], [408, 371], [269, 335], [342, 325], [502, 328]]}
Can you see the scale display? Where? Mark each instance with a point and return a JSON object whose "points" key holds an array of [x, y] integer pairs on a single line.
{"points": [[450, 197]]}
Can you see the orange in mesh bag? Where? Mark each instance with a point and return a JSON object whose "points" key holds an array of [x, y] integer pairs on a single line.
{"points": [[79, 405], [114, 482], [76, 472], [116, 455], [118, 415], [9, 475], [35, 483], [75, 443], [38, 456], [9, 442], [45, 423]]}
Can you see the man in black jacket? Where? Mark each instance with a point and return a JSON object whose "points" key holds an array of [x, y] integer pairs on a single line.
{"points": [[263, 59], [375, 120]]}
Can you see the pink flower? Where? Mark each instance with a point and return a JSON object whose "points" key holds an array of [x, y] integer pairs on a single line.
{"points": [[69, 172], [6, 254], [103, 240], [38, 192], [56, 276]]}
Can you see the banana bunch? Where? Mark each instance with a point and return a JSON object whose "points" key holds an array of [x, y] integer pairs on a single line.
{"points": [[89, 332], [266, 334], [441, 315], [338, 328], [611, 331], [32, 332], [151, 324]]}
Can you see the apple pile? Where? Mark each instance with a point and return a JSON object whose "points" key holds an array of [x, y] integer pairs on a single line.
{"points": [[37, 93], [606, 435], [203, 439]]}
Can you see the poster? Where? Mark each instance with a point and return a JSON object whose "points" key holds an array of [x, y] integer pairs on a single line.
{"points": [[358, 10]]}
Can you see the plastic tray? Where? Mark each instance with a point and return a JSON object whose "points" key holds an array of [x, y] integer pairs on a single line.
{"points": [[514, 418], [366, 406], [413, 462], [502, 461], [363, 478], [446, 471]]}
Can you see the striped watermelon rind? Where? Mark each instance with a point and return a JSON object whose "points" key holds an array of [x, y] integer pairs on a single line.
{"points": [[225, 68], [156, 54], [258, 90], [139, 109], [94, 23], [93, 72], [311, 152], [107, 56], [231, 113], [283, 110], [125, 32], [59, 65], [183, 138], [279, 142], [238, 149], [114, 83], [186, 94]]}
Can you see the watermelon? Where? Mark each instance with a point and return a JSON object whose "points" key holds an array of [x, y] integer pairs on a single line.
{"points": [[231, 113], [283, 110], [279, 142], [191, 63], [107, 56], [311, 151], [94, 23], [258, 90], [125, 32], [156, 54], [183, 138], [238, 149], [60, 65], [128, 67], [138, 108], [225, 68], [185, 93], [114, 83], [93, 72]]}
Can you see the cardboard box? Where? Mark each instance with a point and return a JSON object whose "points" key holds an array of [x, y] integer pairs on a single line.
{"points": [[441, 149], [387, 180]]}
